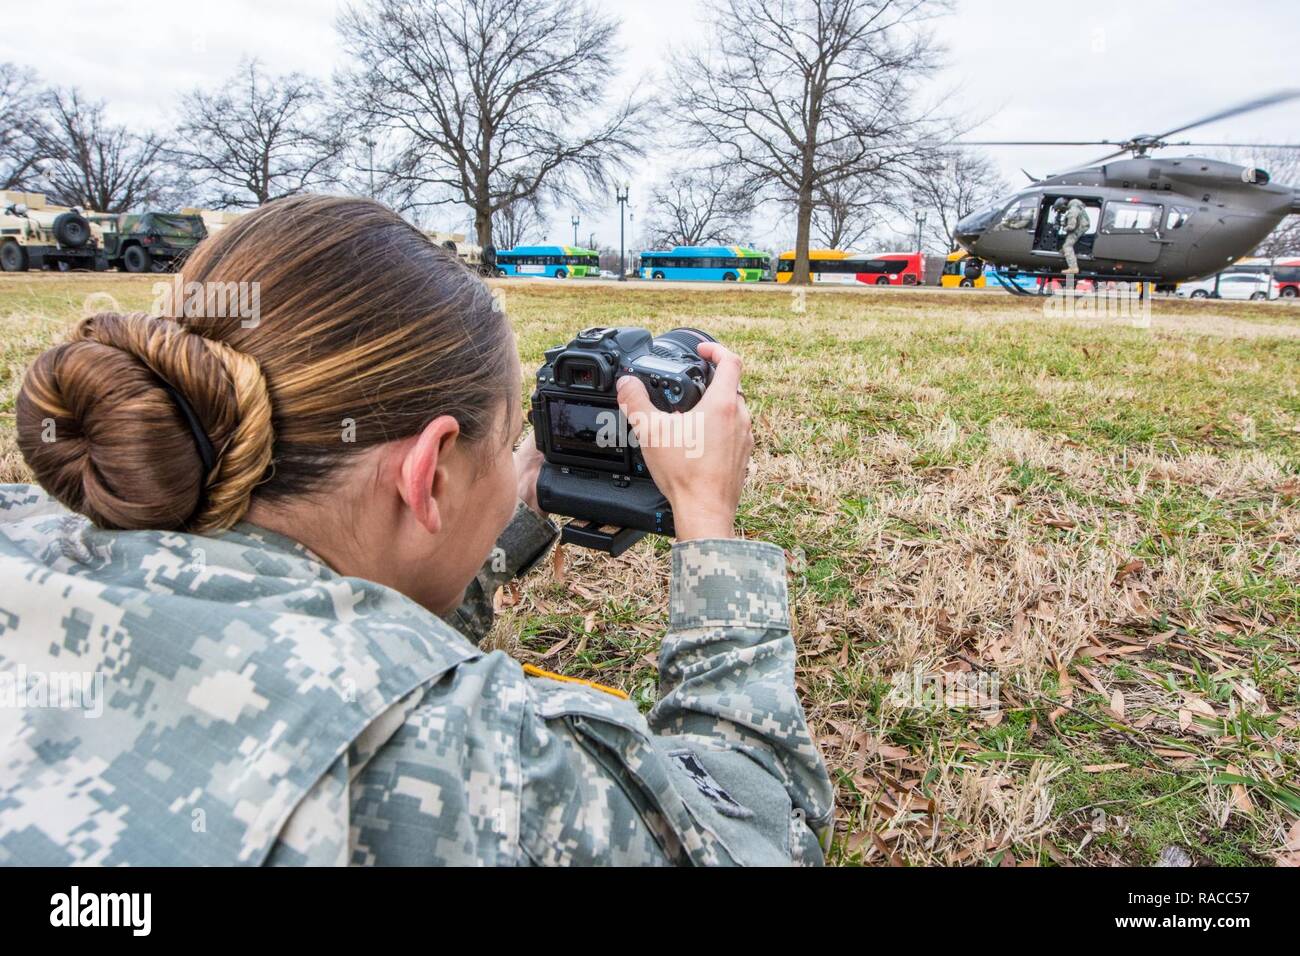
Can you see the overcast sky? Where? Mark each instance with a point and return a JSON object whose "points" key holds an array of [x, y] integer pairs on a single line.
{"points": [[1033, 68]]}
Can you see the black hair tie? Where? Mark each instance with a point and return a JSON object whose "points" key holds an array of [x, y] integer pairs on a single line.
{"points": [[196, 428]]}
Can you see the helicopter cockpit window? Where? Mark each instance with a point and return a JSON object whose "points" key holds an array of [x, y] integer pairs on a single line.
{"points": [[1131, 217], [1020, 214], [1177, 216]]}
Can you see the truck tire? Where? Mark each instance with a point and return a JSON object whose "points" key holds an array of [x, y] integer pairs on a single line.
{"points": [[136, 259], [13, 257], [71, 230]]}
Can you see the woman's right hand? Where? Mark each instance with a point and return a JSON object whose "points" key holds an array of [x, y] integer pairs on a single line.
{"points": [[699, 463]]}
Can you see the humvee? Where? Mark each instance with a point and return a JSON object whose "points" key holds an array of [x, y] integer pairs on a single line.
{"points": [[151, 241], [55, 236]]}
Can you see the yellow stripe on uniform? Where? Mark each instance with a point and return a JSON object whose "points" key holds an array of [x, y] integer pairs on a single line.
{"points": [[532, 671]]}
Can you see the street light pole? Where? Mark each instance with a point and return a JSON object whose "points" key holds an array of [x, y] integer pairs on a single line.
{"points": [[621, 196], [920, 225], [576, 222], [370, 144]]}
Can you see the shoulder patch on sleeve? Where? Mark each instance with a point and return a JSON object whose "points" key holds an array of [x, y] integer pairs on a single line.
{"points": [[532, 671], [725, 803]]}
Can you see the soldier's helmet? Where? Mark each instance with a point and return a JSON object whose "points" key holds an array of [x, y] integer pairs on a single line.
{"points": [[1060, 204]]}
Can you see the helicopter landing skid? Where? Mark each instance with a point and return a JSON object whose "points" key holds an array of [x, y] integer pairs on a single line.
{"points": [[1045, 288], [1013, 288]]}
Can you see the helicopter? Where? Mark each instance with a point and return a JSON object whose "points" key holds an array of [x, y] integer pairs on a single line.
{"points": [[1157, 220]]}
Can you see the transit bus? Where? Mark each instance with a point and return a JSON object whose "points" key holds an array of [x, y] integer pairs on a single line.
{"points": [[824, 265], [705, 263], [552, 262], [900, 268], [852, 268], [955, 269], [1287, 276]]}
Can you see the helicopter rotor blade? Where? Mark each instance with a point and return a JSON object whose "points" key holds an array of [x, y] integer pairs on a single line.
{"points": [[1034, 142], [1241, 145], [1281, 96]]}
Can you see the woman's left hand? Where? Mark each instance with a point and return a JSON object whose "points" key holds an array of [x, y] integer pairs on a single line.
{"points": [[528, 462]]}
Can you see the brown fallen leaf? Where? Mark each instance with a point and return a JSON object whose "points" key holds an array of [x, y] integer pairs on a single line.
{"points": [[1117, 704], [1064, 684], [556, 648], [1240, 797], [557, 564], [1290, 855], [1103, 767], [1132, 567], [1162, 638], [1091, 678]]}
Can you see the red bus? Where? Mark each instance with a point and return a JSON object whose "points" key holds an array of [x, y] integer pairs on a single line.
{"points": [[1287, 276], [894, 268]]}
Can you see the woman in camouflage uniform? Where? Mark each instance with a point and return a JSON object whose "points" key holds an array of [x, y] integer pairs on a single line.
{"points": [[254, 547]]}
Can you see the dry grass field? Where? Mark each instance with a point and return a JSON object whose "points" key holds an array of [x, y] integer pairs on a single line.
{"points": [[1045, 571]]}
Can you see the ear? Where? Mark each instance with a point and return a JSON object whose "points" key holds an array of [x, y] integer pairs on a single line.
{"points": [[423, 480]]}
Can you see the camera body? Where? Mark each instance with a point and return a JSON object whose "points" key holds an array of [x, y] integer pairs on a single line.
{"points": [[594, 470]]}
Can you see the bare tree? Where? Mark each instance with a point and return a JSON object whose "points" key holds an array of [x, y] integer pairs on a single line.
{"points": [[258, 138], [23, 136], [492, 101], [848, 210], [950, 184], [712, 207], [803, 94], [96, 164], [514, 222]]}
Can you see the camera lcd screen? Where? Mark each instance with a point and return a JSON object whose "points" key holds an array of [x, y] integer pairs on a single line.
{"points": [[579, 428]]}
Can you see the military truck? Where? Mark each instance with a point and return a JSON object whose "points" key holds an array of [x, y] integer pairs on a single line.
{"points": [[36, 236], [150, 241]]}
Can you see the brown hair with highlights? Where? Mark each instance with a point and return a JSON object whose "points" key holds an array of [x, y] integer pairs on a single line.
{"points": [[365, 332]]}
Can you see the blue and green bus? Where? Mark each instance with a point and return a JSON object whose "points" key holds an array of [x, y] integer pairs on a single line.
{"points": [[705, 263], [553, 262]]}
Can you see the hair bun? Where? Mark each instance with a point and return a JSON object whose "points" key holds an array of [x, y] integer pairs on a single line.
{"points": [[100, 427]]}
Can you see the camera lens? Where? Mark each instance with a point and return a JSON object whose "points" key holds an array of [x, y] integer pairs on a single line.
{"points": [[687, 338]]}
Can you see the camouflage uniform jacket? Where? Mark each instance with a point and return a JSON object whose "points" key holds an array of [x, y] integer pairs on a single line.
{"points": [[1076, 221], [255, 707]]}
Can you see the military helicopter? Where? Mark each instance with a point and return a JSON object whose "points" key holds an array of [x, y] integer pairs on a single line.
{"points": [[1153, 219]]}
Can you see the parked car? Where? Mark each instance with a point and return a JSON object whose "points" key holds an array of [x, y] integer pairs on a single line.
{"points": [[1234, 285]]}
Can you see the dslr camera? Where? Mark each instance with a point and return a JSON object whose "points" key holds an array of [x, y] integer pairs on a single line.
{"points": [[594, 471]]}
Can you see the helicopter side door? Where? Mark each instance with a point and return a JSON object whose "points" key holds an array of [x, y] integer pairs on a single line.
{"points": [[1130, 231], [1050, 234]]}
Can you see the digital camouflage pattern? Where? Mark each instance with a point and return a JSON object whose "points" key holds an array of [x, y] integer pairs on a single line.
{"points": [[1075, 225], [258, 708]]}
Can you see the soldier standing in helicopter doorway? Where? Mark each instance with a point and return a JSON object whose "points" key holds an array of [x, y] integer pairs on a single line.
{"points": [[1074, 224]]}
